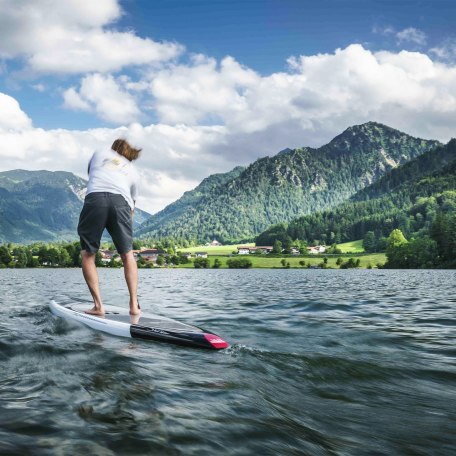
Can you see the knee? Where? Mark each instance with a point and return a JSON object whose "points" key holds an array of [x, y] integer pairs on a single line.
{"points": [[126, 257], [87, 256]]}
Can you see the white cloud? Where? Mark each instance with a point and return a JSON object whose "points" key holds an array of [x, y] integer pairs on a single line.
{"points": [[445, 51], [320, 92], [70, 36], [72, 100], [11, 115], [411, 35], [105, 96], [173, 160], [388, 30], [189, 93], [214, 115], [39, 87]]}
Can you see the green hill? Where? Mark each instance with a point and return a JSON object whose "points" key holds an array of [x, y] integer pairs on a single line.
{"points": [[407, 198], [240, 204]]}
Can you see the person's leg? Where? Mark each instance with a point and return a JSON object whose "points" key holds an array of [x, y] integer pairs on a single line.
{"points": [[120, 227], [131, 277], [91, 224], [90, 273]]}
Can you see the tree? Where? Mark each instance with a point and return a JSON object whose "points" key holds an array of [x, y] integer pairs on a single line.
{"points": [[395, 239], [239, 263], [334, 250], [98, 259], [201, 263], [369, 242], [350, 263], [64, 258], [137, 244], [5, 255], [443, 232], [21, 258], [277, 247], [141, 262], [183, 259], [217, 264], [160, 260], [396, 253]]}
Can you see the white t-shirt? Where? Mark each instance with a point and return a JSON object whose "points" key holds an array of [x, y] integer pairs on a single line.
{"points": [[113, 173]]}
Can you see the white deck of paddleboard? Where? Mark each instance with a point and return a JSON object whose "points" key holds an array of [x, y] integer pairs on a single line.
{"points": [[117, 320]]}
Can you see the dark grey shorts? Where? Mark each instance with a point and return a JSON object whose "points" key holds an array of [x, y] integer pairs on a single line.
{"points": [[105, 210]]}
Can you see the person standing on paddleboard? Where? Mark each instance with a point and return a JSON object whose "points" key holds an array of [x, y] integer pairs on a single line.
{"points": [[110, 203]]}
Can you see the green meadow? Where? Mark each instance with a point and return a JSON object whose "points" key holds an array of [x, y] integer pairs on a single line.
{"points": [[223, 253], [347, 247], [210, 250], [352, 247]]}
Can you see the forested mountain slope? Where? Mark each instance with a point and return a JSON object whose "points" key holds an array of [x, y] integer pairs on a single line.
{"points": [[407, 198], [242, 203]]}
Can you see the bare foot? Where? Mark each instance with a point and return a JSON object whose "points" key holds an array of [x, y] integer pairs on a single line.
{"points": [[134, 319], [95, 311], [135, 310]]}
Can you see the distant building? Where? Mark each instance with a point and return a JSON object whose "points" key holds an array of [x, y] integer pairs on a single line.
{"points": [[316, 249], [215, 243], [151, 254], [201, 254], [107, 255], [187, 255], [294, 251], [246, 250]]}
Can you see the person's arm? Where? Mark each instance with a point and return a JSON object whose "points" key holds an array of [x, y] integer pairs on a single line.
{"points": [[134, 189], [90, 162], [134, 196]]}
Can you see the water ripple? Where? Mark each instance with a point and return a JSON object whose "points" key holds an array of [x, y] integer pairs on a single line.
{"points": [[320, 362]]}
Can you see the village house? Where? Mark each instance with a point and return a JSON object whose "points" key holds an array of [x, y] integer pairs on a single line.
{"points": [[315, 250], [151, 254], [246, 250], [187, 255], [107, 255], [294, 251], [215, 243], [201, 254]]}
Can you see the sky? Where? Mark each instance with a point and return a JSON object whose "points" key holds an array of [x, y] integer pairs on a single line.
{"points": [[203, 86]]}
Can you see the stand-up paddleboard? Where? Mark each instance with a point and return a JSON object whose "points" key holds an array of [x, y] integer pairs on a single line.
{"points": [[119, 322]]}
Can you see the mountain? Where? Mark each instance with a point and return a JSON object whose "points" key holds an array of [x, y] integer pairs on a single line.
{"points": [[42, 205], [242, 203], [191, 199], [407, 197]]}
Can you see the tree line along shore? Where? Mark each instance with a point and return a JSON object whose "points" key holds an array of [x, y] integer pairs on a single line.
{"points": [[435, 251]]}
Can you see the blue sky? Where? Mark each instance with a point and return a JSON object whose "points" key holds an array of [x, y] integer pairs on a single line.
{"points": [[264, 33], [260, 34], [205, 85]]}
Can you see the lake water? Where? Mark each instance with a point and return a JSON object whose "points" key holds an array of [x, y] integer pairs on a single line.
{"points": [[322, 362]]}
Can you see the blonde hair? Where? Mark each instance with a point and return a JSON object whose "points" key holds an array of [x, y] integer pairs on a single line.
{"points": [[122, 147]]}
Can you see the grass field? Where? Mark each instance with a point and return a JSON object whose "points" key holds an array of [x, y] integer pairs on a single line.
{"points": [[352, 247], [263, 261], [222, 250], [347, 247]]}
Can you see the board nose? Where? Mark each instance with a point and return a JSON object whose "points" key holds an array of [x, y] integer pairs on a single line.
{"points": [[216, 341]]}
